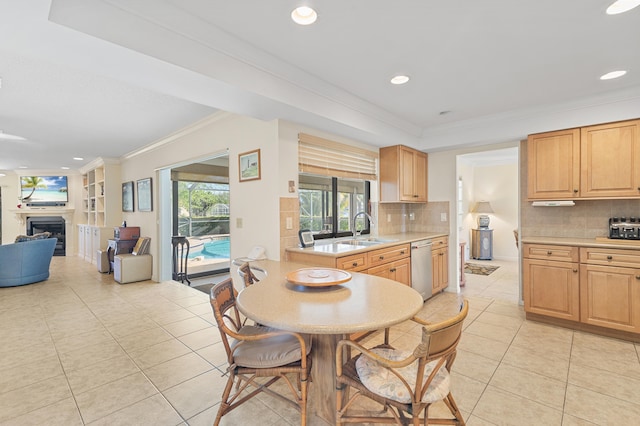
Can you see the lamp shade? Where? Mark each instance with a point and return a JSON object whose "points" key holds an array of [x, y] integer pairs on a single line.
{"points": [[482, 207]]}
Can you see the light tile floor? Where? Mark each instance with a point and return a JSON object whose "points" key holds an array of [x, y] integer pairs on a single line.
{"points": [[82, 349]]}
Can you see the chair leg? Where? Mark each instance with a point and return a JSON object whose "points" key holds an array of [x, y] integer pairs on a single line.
{"points": [[453, 407], [224, 405]]}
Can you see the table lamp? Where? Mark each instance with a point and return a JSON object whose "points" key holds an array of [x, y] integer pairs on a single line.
{"points": [[483, 219]]}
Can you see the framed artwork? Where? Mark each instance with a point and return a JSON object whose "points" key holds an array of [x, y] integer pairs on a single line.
{"points": [[249, 165], [145, 202], [127, 196]]}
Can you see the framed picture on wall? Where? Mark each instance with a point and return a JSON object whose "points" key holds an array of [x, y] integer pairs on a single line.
{"points": [[127, 196], [145, 201], [249, 165]]}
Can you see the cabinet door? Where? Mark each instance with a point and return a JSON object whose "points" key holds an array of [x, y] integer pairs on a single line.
{"points": [[440, 261], [81, 239], [420, 173], [407, 189], [402, 271], [610, 160], [553, 165], [551, 288], [610, 297]]}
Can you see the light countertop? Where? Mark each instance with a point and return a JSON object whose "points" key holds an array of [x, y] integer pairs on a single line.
{"points": [[365, 302], [329, 248], [601, 242]]}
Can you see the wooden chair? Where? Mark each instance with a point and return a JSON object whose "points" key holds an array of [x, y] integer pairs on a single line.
{"points": [[404, 383], [247, 275], [256, 352]]}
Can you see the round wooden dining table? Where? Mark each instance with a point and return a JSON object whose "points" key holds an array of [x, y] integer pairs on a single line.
{"points": [[329, 313]]}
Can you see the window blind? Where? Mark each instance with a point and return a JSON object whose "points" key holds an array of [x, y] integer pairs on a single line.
{"points": [[325, 157]]}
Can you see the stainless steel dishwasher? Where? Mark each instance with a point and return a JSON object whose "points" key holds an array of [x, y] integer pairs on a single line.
{"points": [[422, 268]]}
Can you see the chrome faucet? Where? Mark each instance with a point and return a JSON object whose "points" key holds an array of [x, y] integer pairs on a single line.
{"points": [[353, 223]]}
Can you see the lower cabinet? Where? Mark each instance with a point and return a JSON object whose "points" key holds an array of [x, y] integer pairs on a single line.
{"points": [[610, 297], [440, 264], [398, 271], [594, 286], [552, 288]]}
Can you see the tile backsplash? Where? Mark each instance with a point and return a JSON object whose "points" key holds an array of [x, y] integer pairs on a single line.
{"points": [[393, 218]]}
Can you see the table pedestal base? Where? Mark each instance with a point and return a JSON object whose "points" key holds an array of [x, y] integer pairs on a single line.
{"points": [[321, 405]]}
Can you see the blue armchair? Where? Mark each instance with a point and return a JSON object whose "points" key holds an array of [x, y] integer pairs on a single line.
{"points": [[25, 262]]}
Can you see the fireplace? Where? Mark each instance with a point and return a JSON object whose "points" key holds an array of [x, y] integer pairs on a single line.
{"points": [[53, 224]]}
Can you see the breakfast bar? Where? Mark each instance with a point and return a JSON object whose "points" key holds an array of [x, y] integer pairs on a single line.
{"points": [[361, 303]]}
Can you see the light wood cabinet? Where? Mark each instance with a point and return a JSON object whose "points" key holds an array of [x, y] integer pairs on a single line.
{"points": [[399, 270], [553, 165], [610, 288], [403, 174], [610, 160], [356, 262], [552, 288], [593, 286], [440, 264], [102, 193], [591, 162], [610, 297]]}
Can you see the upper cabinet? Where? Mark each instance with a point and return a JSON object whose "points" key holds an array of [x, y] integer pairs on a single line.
{"points": [[600, 161], [403, 174], [554, 165], [102, 200]]}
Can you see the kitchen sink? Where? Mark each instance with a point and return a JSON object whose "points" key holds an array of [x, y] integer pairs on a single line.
{"points": [[365, 242]]}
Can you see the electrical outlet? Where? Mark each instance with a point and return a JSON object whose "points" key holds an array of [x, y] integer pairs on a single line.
{"points": [[289, 223], [238, 222], [388, 217], [412, 216], [443, 217]]}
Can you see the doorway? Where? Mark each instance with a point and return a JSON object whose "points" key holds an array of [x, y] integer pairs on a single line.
{"points": [[489, 180], [194, 198]]}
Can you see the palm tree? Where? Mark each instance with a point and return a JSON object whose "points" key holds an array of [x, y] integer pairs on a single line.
{"points": [[33, 182]]}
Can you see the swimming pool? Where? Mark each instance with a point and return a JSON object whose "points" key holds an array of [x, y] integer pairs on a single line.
{"points": [[211, 249]]}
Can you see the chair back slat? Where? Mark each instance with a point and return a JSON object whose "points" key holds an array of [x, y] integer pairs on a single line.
{"points": [[247, 275], [223, 302]]}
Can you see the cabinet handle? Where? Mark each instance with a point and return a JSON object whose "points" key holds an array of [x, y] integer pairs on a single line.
{"points": [[392, 270], [575, 270], [609, 257], [402, 252], [354, 264], [575, 191], [441, 254], [549, 253], [637, 277], [381, 257]]}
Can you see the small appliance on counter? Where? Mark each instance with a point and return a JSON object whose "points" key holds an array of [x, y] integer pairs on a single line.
{"points": [[306, 238], [622, 228]]}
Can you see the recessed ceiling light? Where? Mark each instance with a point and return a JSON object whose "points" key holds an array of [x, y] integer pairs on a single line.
{"points": [[613, 74], [399, 79], [622, 6], [2, 175], [78, 158], [304, 15], [22, 167], [64, 168]]}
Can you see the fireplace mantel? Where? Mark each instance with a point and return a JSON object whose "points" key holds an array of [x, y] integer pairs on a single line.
{"points": [[22, 213]]}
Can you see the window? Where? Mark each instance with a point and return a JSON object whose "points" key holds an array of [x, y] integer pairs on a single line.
{"points": [[321, 196]]}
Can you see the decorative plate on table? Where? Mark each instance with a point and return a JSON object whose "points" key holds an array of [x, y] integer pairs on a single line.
{"points": [[318, 277]]}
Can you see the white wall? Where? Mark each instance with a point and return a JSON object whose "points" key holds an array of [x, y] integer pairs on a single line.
{"points": [[254, 203]]}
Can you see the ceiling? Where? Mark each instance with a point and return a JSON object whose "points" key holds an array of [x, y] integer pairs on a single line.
{"points": [[88, 78]]}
